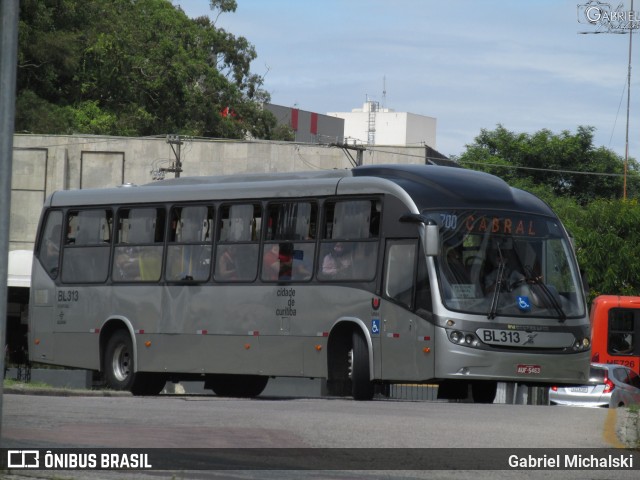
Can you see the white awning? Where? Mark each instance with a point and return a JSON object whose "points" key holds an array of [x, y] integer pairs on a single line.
{"points": [[19, 274]]}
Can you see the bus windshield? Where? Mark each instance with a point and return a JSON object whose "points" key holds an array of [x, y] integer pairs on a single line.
{"points": [[507, 264]]}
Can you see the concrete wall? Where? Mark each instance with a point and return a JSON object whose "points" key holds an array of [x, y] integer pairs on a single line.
{"points": [[43, 164]]}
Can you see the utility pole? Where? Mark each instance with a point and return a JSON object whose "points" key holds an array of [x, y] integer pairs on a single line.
{"points": [[346, 147], [626, 147], [9, 10], [176, 168]]}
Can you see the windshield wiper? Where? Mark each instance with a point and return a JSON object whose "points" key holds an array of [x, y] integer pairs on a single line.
{"points": [[496, 292], [536, 280]]}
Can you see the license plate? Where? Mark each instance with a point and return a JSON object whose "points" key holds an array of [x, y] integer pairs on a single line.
{"points": [[529, 369], [522, 338], [580, 389], [502, 337]]}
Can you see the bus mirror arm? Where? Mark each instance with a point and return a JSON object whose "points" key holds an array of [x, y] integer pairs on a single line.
{"points": [[432, 232]]}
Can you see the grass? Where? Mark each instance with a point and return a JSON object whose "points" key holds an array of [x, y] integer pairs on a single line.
{"points": [[8, 382]]}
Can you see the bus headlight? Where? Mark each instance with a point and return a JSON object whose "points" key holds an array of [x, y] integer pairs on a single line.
{"points": [[581, 344], [464, 338]]}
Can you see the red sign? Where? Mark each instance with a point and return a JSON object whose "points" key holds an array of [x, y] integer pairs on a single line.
{"points": [[504, 225]]}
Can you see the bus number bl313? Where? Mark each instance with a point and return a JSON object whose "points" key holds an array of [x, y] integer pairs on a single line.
{"points": [[68, 295]]}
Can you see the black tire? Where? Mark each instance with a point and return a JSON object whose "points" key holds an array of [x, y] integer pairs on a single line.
{"points": [[361, 385], [484, 391], [119, 368], [339, 365], [148, 383], [248, 386], [118, 361]]}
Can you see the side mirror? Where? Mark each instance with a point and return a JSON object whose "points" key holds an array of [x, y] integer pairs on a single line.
{"points": [[432, 239], [432, 232]]}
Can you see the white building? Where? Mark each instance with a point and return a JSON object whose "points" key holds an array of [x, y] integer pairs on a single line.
{"points": [[372, 125]]}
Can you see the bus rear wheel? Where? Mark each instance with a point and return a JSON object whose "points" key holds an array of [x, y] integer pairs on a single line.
{"points": [[361, 385], [119, 368]]}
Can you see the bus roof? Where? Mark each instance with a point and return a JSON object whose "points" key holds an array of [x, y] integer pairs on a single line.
{"points": [[435, 187], [421, 187]]}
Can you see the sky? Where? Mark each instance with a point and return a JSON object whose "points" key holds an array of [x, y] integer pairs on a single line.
{"points": [[471, 64]]}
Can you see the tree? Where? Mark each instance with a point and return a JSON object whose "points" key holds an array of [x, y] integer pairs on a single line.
{"points": [[568, 164], [138, 67], [607, 242]]}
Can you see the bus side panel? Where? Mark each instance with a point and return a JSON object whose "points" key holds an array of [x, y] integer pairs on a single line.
{"points": [[406, 344], [76, 349], [198, 353], [41, 316], [78, 313]]}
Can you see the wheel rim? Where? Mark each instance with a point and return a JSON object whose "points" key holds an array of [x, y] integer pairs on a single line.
{"points": [[121, 363]]}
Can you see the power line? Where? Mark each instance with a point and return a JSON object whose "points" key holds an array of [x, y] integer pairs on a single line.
{"points": [[550, 170]]}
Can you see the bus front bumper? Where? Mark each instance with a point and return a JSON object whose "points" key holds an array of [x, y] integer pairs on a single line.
{"points": [[468, 363]]}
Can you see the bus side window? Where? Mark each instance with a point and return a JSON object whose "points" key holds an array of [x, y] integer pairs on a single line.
{"points": [[49, 251], [239, 227], [138, 254], [620, 340], [189, 249], [349, 245], [87, 246], [289, 247]]}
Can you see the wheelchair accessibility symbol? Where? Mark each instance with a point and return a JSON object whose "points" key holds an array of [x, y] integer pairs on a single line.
{"points": [[375, 326], [524, 304]]}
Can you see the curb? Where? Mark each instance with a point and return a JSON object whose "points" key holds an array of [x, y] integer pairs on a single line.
{"points": [[628, 428], [64, 392]]}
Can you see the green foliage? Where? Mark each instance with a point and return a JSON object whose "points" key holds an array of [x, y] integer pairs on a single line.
{"points": [[567, 163], [135, 68], [609, 235]]}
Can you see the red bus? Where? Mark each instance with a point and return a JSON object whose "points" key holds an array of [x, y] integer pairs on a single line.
{"points": [[615, 331]]}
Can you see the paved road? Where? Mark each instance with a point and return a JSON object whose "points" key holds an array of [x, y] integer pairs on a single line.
{"points": [[212, 422]]}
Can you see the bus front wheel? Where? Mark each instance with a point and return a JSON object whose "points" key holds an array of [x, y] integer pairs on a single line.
{"points": [[361, 385], [484, 391], [119, 368]]}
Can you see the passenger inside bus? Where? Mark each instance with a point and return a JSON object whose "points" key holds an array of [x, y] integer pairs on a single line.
{"points": [[227, 266], [338, 261], [278, 262], [125, 266]]}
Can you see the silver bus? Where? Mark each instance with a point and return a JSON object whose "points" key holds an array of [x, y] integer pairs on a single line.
{"points": [[363, 277]]}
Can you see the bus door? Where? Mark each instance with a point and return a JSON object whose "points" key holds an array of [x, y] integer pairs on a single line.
{"points": [[616, 330], [406, 334]]}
